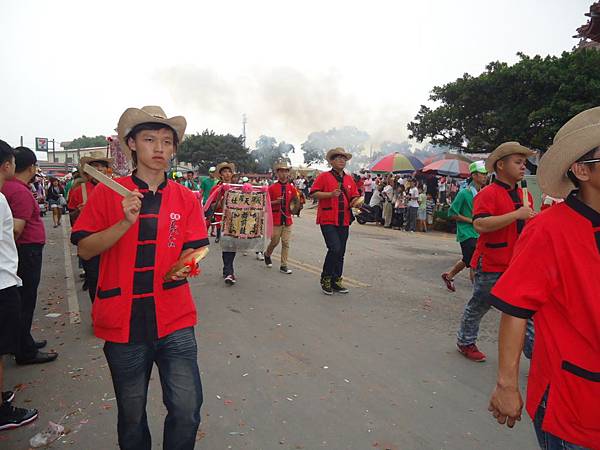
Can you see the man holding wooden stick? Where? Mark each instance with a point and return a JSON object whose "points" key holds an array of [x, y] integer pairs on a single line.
{"points": [[148, 242]]}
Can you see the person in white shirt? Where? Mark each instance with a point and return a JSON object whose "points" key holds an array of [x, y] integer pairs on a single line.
{"points": [[413, 207], [388, 209], [10, 302]]}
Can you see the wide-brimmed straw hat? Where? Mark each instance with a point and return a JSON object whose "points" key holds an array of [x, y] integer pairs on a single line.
{"points": [[147, 114], [225, 165], [574, 139], [90, 159], [337, 151], [281, 164], [506, 149]]}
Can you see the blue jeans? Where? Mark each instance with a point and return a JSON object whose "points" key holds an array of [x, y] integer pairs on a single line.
{"points": [[546, 440], [335, 239], [228, 258], [476, 308], [131, 365]]}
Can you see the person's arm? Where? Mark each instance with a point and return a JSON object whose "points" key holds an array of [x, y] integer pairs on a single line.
{"points": [[18, 227], [493, 223], [99, 242], [321, 195], [506, 403]]}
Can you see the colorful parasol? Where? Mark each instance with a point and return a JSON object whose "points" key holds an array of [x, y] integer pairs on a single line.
{"points": [[448, 167], [397, 163], [446, 155]]}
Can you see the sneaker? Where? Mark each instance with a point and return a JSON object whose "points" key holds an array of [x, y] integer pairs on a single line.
{"points": [[471, 352], [260, 256], [326, 286], [338, 287], [230, 280], [285, 269], [217, 240], [7, 397], [11, 417], [268, 261]]}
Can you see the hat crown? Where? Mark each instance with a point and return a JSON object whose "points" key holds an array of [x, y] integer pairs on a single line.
{"points": [[585, 119], [155, 111]]}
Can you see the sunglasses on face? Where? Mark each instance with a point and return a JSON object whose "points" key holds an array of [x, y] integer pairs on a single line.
{"points": [[589, 161]]}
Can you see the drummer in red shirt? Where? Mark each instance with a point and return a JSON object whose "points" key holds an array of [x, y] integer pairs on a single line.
{"points": [[499, 217], [282, 192], [554, 277], [337, 193]]}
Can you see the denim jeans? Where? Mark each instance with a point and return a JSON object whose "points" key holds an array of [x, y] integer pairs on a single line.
{"points": [[30, 271], [335, 239], [130, 365], [546, 440], [476, 308], [228, 258]]}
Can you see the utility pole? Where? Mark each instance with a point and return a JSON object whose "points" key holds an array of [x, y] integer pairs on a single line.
{"points": [[53, 151], [244, 122], [21, 141]]}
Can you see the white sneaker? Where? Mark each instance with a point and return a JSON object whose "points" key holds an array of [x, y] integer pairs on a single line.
{"points": [[260, 256]]}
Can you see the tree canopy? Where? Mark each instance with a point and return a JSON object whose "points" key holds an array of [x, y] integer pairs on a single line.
{"points": [[86, 142], [526, 102], [318, 143], [208, 149], [268, 150]]}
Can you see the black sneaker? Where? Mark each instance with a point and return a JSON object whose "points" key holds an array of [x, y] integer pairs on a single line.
{"points": [[285, 269], [7, 397], [268, 261], [11, 417], [326, 286], [338, 287]]}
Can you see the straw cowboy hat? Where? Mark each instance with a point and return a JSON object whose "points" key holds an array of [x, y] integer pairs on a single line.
{"points": [[281, 164], [148, 114], [90, 159], [506, 149], [574, 139], [225, 165], [337, 151]]}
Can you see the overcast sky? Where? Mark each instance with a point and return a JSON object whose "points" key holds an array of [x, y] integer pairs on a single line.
{"points": [[72, 67]]}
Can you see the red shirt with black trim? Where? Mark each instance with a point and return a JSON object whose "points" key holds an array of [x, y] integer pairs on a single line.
{"points": [[281, 211], [554, 277], [133, 302], [495, 248], [76, 195], [335, 210]]}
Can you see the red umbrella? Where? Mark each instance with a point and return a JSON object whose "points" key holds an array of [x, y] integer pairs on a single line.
{"points": [[448, 167], [397, 163]]}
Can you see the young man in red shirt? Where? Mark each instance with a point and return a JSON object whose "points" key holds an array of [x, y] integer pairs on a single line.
{"points": [[77, 199], [553, 276], [281, 194], [499, 217], [337, 194], [144, 318]]}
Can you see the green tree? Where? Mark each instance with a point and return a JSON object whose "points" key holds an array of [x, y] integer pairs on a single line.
{"points": [[86, 142], [318, 143], [208, 149], [268, 150], [526, 102]]}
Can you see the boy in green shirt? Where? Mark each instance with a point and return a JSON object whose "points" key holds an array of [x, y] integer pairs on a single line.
{"points": [[461, 210]]}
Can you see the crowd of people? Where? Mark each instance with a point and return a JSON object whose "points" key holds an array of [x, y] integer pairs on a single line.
{"points": [[534, 268]]}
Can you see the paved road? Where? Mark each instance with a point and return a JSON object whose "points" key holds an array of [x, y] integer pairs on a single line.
{"points": [[286, 367]]}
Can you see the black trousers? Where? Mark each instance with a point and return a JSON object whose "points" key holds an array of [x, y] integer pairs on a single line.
{"points": [[335, 239], [30, 271], [92, 269], [228, 258]]}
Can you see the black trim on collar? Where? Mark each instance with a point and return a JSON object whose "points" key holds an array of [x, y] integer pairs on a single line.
{"points": [[504, 185], [581, 208], [143, 185]]}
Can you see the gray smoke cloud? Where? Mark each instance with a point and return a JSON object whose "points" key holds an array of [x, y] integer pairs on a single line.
{"points": [[282, 102]]}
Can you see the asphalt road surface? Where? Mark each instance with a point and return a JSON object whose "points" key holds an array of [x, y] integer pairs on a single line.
{"points": [[284, 366]]}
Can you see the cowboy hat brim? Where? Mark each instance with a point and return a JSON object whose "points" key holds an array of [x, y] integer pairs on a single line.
{"points": [[134, 116], [338, 151], [89, 159], [504, 150], [225, 165]]}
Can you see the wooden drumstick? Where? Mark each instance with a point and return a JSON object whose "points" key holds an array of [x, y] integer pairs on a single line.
{"points": [[525, 193], [106, 180]]}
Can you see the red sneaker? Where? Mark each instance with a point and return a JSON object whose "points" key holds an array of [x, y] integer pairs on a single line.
{"points": [[449, 282], [471, 352]]}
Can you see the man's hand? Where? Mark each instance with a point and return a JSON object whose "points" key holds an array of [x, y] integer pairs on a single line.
{"points": [[506, 405], [525, 213], [132, 204], [336, 193]]}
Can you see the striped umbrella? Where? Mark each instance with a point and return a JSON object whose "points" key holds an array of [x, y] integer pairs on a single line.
{"points": [[446, 155], [448, 167], [397, 163]]}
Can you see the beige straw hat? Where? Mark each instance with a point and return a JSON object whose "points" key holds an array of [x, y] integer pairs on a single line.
{"points": [[506, 149], [338, 151], [225, 165], [575, 138]]}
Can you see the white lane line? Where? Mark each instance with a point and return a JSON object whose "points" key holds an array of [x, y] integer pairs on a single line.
{"points": [[72, 301]]}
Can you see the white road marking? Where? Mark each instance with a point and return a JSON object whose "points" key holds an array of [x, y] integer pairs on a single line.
{"points": [[72, 301]]}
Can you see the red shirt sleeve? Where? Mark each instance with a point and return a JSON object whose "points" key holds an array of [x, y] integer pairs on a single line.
{"points": [[22, 204], [319, 184], [75, 198], [196, 233], [484, 203], [527, 284], [92, 218]]}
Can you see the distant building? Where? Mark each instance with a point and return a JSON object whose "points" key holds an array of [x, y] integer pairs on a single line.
{"points": [[589, 34]]}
